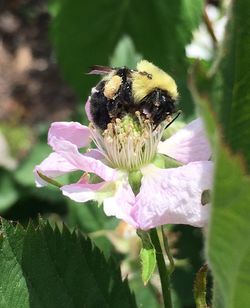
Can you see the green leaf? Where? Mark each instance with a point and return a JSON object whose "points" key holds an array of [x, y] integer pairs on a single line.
{"points": [[148, 261], [226, 70], [188, 259], [160, 32], [235, 103], [125, 54], [228, 249], [8, 191], [85, 33], [24, 174], [147, 256], [145, 297], [240, 113], [88, 217], [46, 267], [91, 219]]}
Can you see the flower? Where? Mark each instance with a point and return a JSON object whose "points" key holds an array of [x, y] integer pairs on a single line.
{"points": [[142, 180], [202, 45]]}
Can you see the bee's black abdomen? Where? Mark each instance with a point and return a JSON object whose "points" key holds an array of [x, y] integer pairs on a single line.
{"points": [[157, 105], [98, 107]]}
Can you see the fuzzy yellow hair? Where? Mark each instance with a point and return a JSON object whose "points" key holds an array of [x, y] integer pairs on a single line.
{"points": [[150, 77]]}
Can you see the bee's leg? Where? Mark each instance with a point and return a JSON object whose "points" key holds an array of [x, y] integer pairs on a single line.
{"points": [[113, 108], [123, 102], [150, 104], [158, 105], [177, 115]]}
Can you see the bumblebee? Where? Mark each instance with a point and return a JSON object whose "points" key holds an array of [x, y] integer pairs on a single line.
{"points": [[122, 91]]}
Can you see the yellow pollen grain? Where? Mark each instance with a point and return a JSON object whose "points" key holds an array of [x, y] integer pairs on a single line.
{"points": [[112, 86]]}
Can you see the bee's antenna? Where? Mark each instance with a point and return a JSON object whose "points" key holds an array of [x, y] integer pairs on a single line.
{"points": [[178, 113]]}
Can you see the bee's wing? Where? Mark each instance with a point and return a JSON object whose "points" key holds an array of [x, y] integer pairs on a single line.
{"points": [[100, 70]]}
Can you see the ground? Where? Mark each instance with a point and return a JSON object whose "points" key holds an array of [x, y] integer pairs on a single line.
{"points": [[32, 89]]}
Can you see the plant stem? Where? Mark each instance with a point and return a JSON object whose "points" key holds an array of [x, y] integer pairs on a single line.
{"points": [[200, 285], [164, 276], [167, 250], [210, 29]]}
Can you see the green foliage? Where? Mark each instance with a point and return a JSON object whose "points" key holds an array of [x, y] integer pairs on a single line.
{"points": [[24, 174], [88, 217], [125, 54], [19, 138], [235, 102], [226, 69], [45, 267], [86, 33], [147, 256], [228, 250], [8, 191], [240, 113], [145, 296], [200, 286], [51, 267], [188, 260], [148, 262]]}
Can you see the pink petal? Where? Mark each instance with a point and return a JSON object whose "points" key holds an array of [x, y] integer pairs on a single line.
{"points": [[82, 162], [82, 192], [87, 105], [120, 205], [173, 196], [71, 131], [94, 153], [54, 165], [187, 145]]}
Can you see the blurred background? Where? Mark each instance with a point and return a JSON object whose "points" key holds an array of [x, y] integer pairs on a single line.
{"points": [[46, 48]]}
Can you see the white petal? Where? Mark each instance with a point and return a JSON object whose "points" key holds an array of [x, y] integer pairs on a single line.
{"points": [[121, 204], [189, 144], [82, 192], [173, 196]]}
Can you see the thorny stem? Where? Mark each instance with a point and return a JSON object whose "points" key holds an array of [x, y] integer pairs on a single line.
{"points": [[163, 272], [200, 286], [167, 250], [210, 28]]}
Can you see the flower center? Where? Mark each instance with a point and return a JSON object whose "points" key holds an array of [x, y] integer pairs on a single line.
{"points": [[130, 142]]}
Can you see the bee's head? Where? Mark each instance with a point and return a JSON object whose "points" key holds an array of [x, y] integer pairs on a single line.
{"points": [[150, 77]]}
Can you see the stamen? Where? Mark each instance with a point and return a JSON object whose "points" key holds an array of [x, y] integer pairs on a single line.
{"points": [[130, 142]]}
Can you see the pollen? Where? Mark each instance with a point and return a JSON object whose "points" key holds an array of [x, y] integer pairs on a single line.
{"points": [[128, 143], [112, 86]]}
